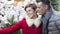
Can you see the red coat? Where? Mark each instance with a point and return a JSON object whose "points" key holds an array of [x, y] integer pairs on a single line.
{"points": [[25, 28]]}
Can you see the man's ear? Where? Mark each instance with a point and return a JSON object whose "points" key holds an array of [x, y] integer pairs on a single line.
{"points": [[46, 7]]}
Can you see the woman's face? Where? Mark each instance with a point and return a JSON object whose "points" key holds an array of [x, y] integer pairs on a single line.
{"points": [[30, 12]]}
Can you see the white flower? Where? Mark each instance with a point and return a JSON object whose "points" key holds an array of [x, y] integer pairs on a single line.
{"points": [[4, 19]]}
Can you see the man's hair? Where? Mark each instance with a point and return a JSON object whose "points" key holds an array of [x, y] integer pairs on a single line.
{"points": [[33, 6], [46, 2]]}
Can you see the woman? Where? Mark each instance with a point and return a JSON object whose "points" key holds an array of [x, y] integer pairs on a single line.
{"points": [[31, 24]]}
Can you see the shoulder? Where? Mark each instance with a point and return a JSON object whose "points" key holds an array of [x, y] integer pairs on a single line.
{"points": [[55, 15], [23, 20], [57, 18]]}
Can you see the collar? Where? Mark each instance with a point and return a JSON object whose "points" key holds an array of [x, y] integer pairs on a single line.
{"points": [[46, 17], [36, 21], [48, 14]]}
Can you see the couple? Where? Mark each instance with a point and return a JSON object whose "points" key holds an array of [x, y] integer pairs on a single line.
{"points": [[31, 24], [49, 24]]}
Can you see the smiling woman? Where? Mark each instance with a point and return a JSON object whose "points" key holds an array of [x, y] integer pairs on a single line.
{"points": [[30, 10], [26, 24]]}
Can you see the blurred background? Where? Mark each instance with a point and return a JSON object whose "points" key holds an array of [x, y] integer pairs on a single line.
{"points": [[11, 11], [54, 3]]}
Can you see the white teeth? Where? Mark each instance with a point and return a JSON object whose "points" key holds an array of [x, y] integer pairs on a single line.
{"points": [[37, 13]]}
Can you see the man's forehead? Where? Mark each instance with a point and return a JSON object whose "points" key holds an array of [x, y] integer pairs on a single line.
{"points": [[39, 3]]}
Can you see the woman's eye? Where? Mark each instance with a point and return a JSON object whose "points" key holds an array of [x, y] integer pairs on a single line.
{"points": [[29, 10]]}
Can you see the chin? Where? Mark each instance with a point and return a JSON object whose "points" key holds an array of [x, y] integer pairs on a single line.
{"points": [[30, 17]]}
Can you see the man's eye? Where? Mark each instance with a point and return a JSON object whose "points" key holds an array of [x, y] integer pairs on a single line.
{"points": [[29, 10], [39, 7]]}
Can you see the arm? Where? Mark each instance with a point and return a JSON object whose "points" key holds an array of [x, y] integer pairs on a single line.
{"points": [[57, 24], [11, 29]]}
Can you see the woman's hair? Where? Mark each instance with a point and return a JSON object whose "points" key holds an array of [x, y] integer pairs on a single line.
{"points": [[33, 6]]}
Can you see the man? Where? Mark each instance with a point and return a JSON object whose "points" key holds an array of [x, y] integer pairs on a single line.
{"points": [[50, 17]]}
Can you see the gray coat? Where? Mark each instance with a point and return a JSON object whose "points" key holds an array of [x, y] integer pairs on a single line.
{"points": [[51, 22]]}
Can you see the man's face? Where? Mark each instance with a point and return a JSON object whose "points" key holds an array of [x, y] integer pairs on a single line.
{"points": [[40, 8]]}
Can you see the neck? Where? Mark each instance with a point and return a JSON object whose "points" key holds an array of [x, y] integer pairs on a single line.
{"points": [[45, 13], [35, 16]]}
